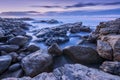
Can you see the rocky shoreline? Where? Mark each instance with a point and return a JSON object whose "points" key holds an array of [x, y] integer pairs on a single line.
{"points": [[20, 60]]}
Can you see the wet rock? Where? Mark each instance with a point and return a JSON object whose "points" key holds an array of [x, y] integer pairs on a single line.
{"points": [[36, 63], [76, 72], [111, 67], [55, 49], [33, 48], [14, 67], [84, 55], [5, 62], [1, 32], [9, 48], [18, 40], [16, 74], [14, 56], [57, 40], [104, 50], [23, 78]]}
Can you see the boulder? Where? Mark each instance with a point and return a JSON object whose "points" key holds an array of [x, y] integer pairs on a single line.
{"points": [[33, 48], [16, 74], [18, 40], [104, 50], [111, 67], [14, 67], [55, 49], [5, 62], [109, 47], [84, 55], [75, 72], [36, 62], [9, 48]]}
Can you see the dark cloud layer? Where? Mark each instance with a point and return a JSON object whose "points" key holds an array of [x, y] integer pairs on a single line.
{"points": [[46, 6], [91, 4], [19, 13]]}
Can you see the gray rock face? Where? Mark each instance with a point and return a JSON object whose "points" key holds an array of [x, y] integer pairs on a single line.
{"points": [[18, 40], [109, 47], [76, 72], [104, 49], [111, 67], [9, 48], [5, 61], [84, 55], [36, 62], [54, 49]]}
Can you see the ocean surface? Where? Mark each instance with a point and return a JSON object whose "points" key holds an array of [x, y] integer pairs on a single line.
{"points": [[92, 22]]}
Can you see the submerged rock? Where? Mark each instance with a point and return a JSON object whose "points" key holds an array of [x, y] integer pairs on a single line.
{"points": [[36, 63]]}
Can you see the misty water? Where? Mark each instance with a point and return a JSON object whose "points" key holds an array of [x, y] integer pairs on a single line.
{"points": [[92, 22]]}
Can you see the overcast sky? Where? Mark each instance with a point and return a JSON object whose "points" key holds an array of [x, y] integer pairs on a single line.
{"points": [[59, 7]]}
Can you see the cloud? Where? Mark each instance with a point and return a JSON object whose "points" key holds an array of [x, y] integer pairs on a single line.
{"points": [[19, 13], [37, 6], [91, 4]]}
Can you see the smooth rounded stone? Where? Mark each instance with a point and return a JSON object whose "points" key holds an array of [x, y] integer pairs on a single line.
{"points": [[5, 62], [111, 67], [14, 56], [55, 49], [83, 55], [14, 67], [33, 48], [76, 72], [9, 48], [13, 78], [18, 40], [105, 50], [16, 74], [36, 62]]}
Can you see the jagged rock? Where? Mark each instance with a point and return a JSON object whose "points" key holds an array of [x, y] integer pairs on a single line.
{"points": [[104, 50], [9, 48], [18, 40], [84, 55], [111, 67], [5, 62], [76, 72], [55, 49], [36, 62]]}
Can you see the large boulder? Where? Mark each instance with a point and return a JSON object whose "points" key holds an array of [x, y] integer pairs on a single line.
{"points": [[104, 49], [84, 55], [111, 67], [18, 40], [109, 47], [76, 72], [5, 62], [36, 63], [9, 48]]}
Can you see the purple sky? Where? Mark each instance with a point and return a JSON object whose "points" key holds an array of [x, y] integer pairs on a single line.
{"points": [[55, 7]]}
